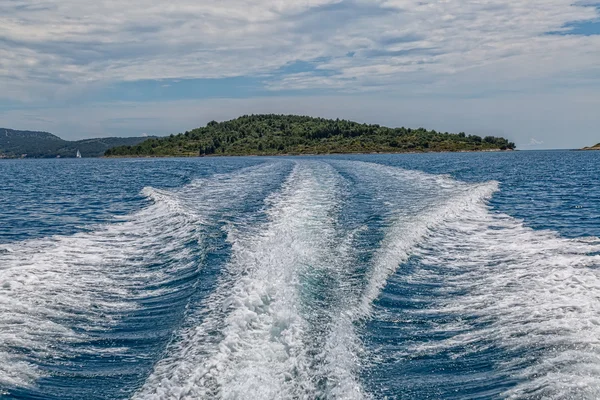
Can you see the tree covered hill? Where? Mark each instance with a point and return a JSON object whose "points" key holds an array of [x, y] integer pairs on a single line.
{"points": [[291, 134], [15, 143]]}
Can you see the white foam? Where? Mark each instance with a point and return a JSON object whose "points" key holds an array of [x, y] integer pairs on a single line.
{"points": [[417, 203], [254, 338], [57, 291], [258, 335], [258, 338], [531, 293], [54, 290]]}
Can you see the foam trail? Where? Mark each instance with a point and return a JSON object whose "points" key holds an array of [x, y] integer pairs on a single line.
{"points": [[531, 293], [285, 318], [56, 292], [253, 340], [408, 230], [417, 204]]}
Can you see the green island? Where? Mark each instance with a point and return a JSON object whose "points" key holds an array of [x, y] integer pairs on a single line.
{"points": [[292, 134]]}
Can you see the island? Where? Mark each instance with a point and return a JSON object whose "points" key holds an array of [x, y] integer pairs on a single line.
{"points": [[295, 135], [596, 147]]}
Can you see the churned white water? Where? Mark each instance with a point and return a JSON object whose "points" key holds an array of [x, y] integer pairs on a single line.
{"points": [[417, 203], [256, 314], [58, 291], [286, 317], [259, 338], [530, 293]]}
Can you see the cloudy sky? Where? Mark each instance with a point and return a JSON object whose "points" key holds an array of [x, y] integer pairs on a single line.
{"points": [[528, 70]]}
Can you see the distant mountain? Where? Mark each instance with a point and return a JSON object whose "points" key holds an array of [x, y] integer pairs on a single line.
{"points": [[32, 144], [596, 147]]}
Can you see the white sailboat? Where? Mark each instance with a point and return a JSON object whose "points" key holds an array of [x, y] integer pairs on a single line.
{"points": [[78, 154]]}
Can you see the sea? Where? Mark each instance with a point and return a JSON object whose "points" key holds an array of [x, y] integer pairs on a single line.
{"points": [[407, 276]]}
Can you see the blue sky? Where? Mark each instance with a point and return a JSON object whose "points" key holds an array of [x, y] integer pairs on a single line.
{"points": [[527, 70]]}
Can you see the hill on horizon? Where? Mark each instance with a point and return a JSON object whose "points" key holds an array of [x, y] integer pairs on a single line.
{"points": [[38, 144], [595, 147], [273, 134]]}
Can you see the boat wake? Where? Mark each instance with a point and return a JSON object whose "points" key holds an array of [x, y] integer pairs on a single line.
{"points": [[61, 297], [330, 279], [503, 288]]}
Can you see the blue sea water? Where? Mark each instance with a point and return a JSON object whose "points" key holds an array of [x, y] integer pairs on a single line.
{"points": [[412, 276]]}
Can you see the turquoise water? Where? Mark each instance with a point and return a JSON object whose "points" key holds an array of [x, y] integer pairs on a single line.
{"points": [[417, 276]]}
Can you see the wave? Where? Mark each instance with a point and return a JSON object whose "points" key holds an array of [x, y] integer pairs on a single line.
{"points": [[491, 285], [531, 293], [417, 203], [59, 294], [56, 292], [313, 248], [420, 202], [283, 323], [252, 340]]}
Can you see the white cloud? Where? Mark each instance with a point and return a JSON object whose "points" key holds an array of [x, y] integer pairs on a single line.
{"points": [[49, 47], [534, 142]]}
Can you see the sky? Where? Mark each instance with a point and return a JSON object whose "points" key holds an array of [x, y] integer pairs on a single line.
{"points": [[528, 70]]}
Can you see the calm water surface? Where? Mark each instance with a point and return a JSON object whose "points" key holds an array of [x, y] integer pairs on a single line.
{"points": [[415, 276]]}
